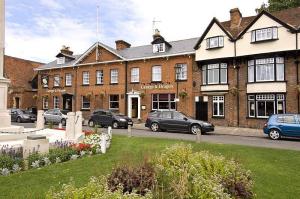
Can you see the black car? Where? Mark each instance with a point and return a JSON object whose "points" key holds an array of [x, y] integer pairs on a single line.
{"points": [[18, 115], [109, 118], [176, 121]]}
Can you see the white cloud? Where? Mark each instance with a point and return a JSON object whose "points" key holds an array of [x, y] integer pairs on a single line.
{"points": [[52, 4]]}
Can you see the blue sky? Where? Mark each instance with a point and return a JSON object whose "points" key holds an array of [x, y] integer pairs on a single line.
{"points": [[37, 29]]}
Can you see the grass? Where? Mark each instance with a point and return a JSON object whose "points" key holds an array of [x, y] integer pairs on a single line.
{"points": [[275, 172]]}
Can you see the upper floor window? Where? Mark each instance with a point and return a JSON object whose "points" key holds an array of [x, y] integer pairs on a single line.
{"points": [[214, 42], [268, 69], [68, 79], [159, 48], [55, 102], [61, 60], [156, 73], [214, 74], [135, 74], [264, 34], [56, 82], [85, 78], [114, 76], [45, 81], [99, 77], [181, 71], [45, 103]]}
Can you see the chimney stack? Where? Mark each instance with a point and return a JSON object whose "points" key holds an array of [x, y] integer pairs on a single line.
{"points": [[66, 50], [121, 44], [235, 18], [156, 34]]}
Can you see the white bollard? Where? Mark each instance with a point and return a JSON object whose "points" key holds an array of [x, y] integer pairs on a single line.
{"points": [[70, 126], [129, 131], [40, 123], [103, 143], [78, 124], [109, 132], [198, 136]]}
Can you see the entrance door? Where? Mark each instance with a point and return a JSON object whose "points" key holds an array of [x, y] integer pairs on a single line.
{"points": [[17, 102], [67, 102], [201, 110], [134, 107]]}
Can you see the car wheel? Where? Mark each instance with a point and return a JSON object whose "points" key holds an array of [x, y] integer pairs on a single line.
{"points": [[195, 128], [154, 127], [274, 134], [91, 123], [115, 125], [19, 120], [63, 122]]}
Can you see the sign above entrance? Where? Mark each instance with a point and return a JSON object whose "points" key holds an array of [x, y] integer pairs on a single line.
{"points": [[157, 86], [56, 91]]}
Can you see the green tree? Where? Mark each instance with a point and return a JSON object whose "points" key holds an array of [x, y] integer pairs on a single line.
{"points": [[277, 5]]}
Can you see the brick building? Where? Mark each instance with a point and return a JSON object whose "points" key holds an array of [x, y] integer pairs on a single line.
{"points": [[130, 80], [22, 91], [249, 68]]}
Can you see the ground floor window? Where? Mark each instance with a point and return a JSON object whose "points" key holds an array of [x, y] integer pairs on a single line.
{"points": [[264, 105], [163, 102], [114, 102], [45, 103], [56, 102], [218, 106], [85, 102]]}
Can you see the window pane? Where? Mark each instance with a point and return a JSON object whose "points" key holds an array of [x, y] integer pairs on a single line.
{"points": [[269, 108], [275, 33], [251, 109], [251, 74], [163, 105], [114, 76], [135, 75], [261, 109], [253, 36], [280, 72], [204, 75], [163, 97], [215, 109], [156, 73], [280, 107], [214, 42], [221, 41], [221, 108], [223, 75]]}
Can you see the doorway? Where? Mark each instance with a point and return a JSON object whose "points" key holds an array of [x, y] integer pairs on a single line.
{"points": [[134, 107], [201, 109], [67, 102], [17, 102]]}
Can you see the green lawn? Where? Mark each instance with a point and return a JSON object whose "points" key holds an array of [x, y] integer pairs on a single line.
{"points": [[276, 172]]}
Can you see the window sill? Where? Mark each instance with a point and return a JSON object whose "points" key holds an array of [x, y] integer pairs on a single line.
{"points": [[180, 80], [214, 84], [218, 117], [68, 85], [85, 109], [156, 82], [99, 84], [56, 86], [134, 82], [262, 41], [214, 48], [257, 118], [272, 81], [85, 85], [114, 83]]}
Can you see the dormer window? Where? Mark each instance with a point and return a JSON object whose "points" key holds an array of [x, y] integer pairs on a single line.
{"points": [[60, 60], [264, 34], [215, 42], [158, 48]]}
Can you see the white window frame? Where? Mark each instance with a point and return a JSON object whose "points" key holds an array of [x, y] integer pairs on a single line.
{"points": [[68, 80], [218, 69], [84, 102], [114, 75], [156, 73], [264, 34], [56, 81], [135, 74], [85, 78], [110, 101], [61, 60], [47, 79], [215, 42], [56, 102], [99, 76], [181, 71], [45, 103], [169, 101], [158, 48], [218, 100]]}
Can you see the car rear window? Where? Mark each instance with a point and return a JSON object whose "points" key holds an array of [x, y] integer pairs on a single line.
{"points": [[289, 119]]}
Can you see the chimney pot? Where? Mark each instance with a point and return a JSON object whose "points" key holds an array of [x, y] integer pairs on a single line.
{"points": [[66, 50], [235, 18], [121, 44]]}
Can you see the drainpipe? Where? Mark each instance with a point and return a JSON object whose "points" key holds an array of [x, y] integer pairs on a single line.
{"points": [[126, 88], [237, 85]]}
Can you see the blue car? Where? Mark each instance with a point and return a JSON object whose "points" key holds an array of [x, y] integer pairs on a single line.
{"points": [[283, 125]]}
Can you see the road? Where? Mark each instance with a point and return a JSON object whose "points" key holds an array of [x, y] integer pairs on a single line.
{"points": [[293, 144]]}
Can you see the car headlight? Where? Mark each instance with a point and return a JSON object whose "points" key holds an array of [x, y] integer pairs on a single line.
{"points": [[122, 120], [206, 124]]}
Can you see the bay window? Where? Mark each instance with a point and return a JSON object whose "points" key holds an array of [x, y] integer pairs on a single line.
{"points": [[264, 105], [218, 106], [214, 74], [163, 102], [214, 42], [264, 34], [267, 69]]}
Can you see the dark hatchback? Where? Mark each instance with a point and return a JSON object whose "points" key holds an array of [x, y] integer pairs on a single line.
{"points": [[176, 121], [109, 118], [18, 115]]}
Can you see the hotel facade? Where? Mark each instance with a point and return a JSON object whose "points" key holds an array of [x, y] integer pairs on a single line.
{"points": [[236, 74]]}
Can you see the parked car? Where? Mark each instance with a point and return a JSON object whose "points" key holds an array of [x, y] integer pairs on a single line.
{"points": [[282, 125], [18, 115], [103, 117], [56, 116], [176, 121]]}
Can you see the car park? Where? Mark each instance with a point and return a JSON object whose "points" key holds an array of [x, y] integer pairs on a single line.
{"points": [[279, 125], [18, 115], [56, 116], [176, 121], [103, 117]]}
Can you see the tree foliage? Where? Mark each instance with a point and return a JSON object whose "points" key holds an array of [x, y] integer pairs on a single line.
{"points": [[277, 5]]}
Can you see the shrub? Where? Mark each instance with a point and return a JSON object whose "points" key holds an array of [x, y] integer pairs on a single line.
{"points": [[9, 162], [63, 154], [140, 179], [13, 152], [185, 174], [95, 188], [33, 158]]}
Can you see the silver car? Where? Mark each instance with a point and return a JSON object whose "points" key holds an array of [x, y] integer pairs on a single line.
{"points": [[56, 116]]}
